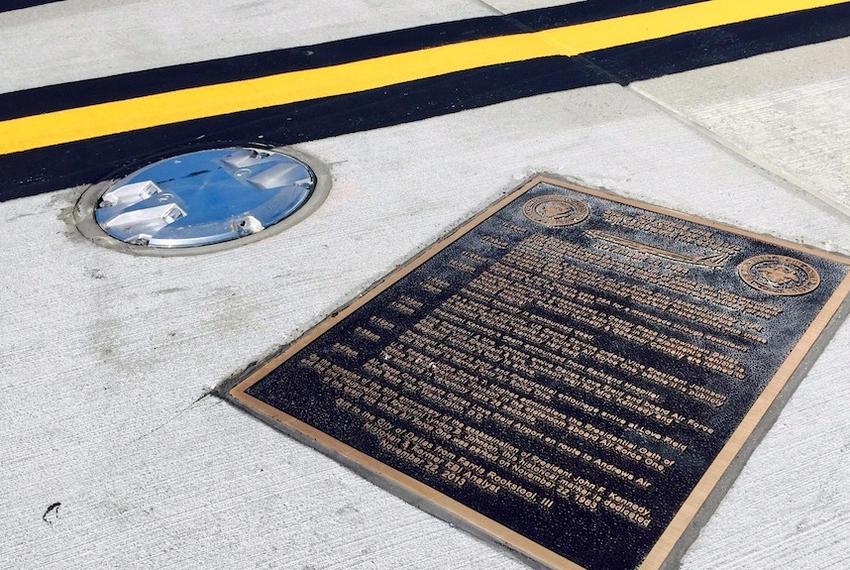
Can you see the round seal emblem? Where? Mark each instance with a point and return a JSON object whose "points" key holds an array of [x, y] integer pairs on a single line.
{"points": [[555, 210], [779, 275]]}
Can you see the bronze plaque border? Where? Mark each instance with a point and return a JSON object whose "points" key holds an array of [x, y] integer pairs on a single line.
{"points": [[675, 537]]}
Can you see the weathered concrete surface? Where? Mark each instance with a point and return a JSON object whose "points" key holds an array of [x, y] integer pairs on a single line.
{"points": [[81, 39], [786, 111], [106, 357]]}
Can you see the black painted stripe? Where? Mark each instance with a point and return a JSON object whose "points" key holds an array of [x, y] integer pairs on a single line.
{"points": [[71, 164], [9, 5], [51, 168], [124, 86]]}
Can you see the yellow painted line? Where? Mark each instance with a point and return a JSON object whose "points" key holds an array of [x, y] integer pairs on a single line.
{"points": [[91, 121]]}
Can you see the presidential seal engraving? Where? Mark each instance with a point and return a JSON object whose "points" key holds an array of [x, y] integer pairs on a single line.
{"points": [[555, 210], [779, 275]]}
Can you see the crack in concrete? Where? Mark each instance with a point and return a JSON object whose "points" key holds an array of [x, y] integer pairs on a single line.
{"points": [[173, 416]]}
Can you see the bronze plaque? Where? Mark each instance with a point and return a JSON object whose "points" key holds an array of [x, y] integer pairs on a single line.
{"points": [[574, 374]]}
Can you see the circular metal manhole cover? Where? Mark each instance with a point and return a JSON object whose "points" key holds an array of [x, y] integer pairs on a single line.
{"points": [[200, 199]]}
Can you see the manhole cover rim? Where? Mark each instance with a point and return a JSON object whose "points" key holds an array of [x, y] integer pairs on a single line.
{"points": [[86, 223]]}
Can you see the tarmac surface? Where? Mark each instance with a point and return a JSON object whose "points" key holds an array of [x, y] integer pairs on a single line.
{"points": [[114, 454]]}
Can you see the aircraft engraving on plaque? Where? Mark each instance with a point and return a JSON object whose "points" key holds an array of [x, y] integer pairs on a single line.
{"points": [[569, 372]]}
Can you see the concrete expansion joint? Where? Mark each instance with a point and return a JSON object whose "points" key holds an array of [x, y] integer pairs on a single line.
{"points": [[491, 7], [777, 174], [784, 179]]}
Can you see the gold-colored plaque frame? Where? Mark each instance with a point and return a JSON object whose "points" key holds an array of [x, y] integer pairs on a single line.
{"points": [[702, 499]]}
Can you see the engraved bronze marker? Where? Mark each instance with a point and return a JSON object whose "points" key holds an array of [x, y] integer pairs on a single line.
{"points": [[574, 374]]}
